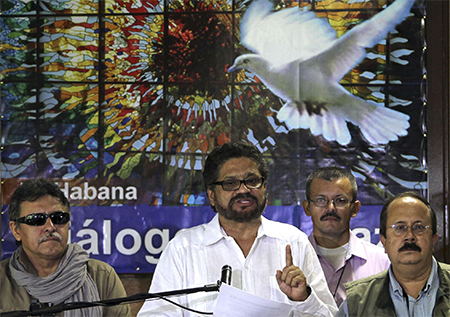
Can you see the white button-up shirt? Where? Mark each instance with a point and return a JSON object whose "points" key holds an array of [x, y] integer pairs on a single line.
{"points": [[195, 257]]}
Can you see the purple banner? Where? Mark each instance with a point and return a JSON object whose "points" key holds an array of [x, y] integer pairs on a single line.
{"points": [[131, 238]]}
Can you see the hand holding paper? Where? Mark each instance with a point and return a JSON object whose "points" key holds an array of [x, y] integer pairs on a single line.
{"points": [[291, 280]]}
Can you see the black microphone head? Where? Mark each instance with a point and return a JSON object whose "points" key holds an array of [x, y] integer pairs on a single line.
{"points": [[226, 274]]}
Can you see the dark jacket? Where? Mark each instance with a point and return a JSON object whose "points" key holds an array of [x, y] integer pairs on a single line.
{"points": [[371, 297]]}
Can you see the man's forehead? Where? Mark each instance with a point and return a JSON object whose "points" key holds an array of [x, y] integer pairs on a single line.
{"points": [[407, 203], [338, 184], [241, 166], [407, 209]]}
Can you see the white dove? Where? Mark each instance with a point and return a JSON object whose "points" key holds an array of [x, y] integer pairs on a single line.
{"points": [[300, 59]]}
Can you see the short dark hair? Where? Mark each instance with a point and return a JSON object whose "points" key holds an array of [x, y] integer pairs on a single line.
{"points": [[221, 154], [32, 190], [329, 174], [383, 215]]}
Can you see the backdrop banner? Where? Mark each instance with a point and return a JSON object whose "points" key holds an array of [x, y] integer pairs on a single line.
{"points": [[121, 102], [131, 238]]}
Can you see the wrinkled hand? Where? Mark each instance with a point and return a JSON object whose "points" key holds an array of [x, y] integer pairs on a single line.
{"points": [[291, 280]]}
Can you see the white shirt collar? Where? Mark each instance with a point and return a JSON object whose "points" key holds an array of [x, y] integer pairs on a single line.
{"points": [[214, 232]]}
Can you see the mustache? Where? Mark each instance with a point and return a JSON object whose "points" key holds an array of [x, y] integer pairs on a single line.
{"points": [[51, 235], [243, 196], [330, 214], [410, 246]]}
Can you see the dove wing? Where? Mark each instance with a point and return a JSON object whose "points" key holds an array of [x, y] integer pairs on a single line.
{"points": [[285, 35], [349, 50], [378, 124]]}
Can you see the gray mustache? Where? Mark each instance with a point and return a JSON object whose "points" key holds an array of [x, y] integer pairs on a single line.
{"points": [[51, 235]]}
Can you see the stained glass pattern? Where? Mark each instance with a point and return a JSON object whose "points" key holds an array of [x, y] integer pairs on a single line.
{"points": [[134, 48], [133, 7], [133, 118], [69, 49], [138, 91]]}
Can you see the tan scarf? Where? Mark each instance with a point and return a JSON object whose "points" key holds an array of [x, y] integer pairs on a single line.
{"points": [[69, 283]]}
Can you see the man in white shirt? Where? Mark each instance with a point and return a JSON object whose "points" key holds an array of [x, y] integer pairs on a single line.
{"points": [[269, 259]]}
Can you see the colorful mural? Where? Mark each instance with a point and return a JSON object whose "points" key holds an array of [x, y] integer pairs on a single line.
{"points": [[128, 97]]}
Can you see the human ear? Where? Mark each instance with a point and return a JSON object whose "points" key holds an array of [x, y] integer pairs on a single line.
{"points": [[383, 242], [305, 205], [435, 237], [211, 196], [356, 207], [15, 230]]}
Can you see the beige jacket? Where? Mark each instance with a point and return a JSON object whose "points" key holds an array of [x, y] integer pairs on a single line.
{"points": [[15, 297]]}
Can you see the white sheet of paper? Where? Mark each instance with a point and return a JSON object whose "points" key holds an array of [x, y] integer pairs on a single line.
{"points": [[236, 303]]}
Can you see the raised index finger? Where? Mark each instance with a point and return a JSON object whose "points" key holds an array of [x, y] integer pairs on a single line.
{"points": [[288, 256]]}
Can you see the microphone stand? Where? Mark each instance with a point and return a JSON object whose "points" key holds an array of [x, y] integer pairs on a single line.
{"points": [[110, 302]]}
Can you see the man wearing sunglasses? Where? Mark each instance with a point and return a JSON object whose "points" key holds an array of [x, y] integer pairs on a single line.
{"points": [[331, 201], [268, 259], [44, 270], [415, 284]]}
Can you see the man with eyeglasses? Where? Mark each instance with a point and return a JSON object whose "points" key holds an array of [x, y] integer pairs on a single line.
{"points": [[415, 284], [44, 270], [331, 201], [268, 259]]}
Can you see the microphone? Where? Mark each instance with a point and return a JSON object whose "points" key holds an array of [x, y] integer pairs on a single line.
{"points": [[226, 274]]}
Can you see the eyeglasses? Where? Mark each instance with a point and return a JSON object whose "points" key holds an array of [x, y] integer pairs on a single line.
{"points": [[234, 184], [39, 219], [417, 229], [337, 202]]}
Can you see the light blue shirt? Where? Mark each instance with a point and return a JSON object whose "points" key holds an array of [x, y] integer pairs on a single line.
{"points": [[409, 306]]}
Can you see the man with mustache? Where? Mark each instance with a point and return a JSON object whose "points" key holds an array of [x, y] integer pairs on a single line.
{"points": [[415, 284], [268, 259], [44, 270], [331, 201]]}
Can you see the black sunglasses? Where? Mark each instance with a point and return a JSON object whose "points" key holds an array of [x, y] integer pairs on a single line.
{"points": [[39, 219]]}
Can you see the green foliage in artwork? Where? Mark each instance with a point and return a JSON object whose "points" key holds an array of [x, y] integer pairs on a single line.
{"points": [[156, 97]]}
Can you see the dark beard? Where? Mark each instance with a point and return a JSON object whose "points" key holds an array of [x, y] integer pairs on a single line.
{"points": [[242, 216]]}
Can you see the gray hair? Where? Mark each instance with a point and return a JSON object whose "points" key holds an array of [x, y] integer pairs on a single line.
{"points": [[329, 174]]}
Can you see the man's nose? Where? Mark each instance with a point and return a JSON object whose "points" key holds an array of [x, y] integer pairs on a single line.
{"points": [[330, 205], [409, 235], [49, 226]]}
